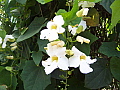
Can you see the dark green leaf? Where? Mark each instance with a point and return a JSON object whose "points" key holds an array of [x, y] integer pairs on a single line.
{"points": [[106, 4], [75, 84], [37, 56], [34, 77], [100, 77], [42, 44], [5, 78], [109, 49], [14, 83], [21, 1], [33, 28], [115, 67]]}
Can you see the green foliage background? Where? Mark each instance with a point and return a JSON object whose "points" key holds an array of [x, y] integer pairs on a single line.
{"points": [[24, 19]]}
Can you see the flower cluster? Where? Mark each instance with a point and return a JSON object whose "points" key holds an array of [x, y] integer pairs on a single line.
{"points": [[60, 56]]}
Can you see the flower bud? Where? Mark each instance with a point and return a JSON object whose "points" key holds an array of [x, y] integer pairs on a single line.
{"points": [[79, 29], [9, 57], [82, 39], [58, 43], [13, 44], [13, 48], [11, 40], [80, 13]]}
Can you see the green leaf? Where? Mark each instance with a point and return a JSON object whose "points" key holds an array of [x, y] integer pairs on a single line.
{"points": [[2, 34], [37, 57], [115, 13], [33, 28], [42, 44], [5, 78], [106, 4], [109, 49], [34, 77], [44, 1], [21, 1], [100, 77], [14, 82], [85, 48], [1, 68], [71, 15], [115, 67]]}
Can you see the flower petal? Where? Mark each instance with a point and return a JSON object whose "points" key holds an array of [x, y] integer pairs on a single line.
{"points": [[76, 51], [74, 61], [83, 23], [85, 67], [45, 34], [90, 61], [60, 29], [53, 35], [58, 20], [50, 68], [63, 63], [0, 40]]}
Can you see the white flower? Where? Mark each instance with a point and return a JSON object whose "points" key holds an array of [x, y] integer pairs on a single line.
{"points": [[79, 59], [57, 59], [83, 23], [54, 28], [82, 39], [72, 29], [7, 38], [0, 40], [86, 4]]}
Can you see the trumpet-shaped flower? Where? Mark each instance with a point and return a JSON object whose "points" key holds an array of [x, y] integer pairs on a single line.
{"points": [[79, 59], [54, 28], [57, 59], [7, 38]]}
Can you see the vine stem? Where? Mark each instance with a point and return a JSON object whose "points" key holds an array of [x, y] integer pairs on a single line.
{"points": [[66, 81]]}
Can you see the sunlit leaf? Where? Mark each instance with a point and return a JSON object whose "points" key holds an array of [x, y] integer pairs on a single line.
{"points": [[115, 13], [34, 77], [43, 1], [2, 34], [94, 21], [109, 49], [101, 75], [115, 67], [71, 15], [37, 56]]}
